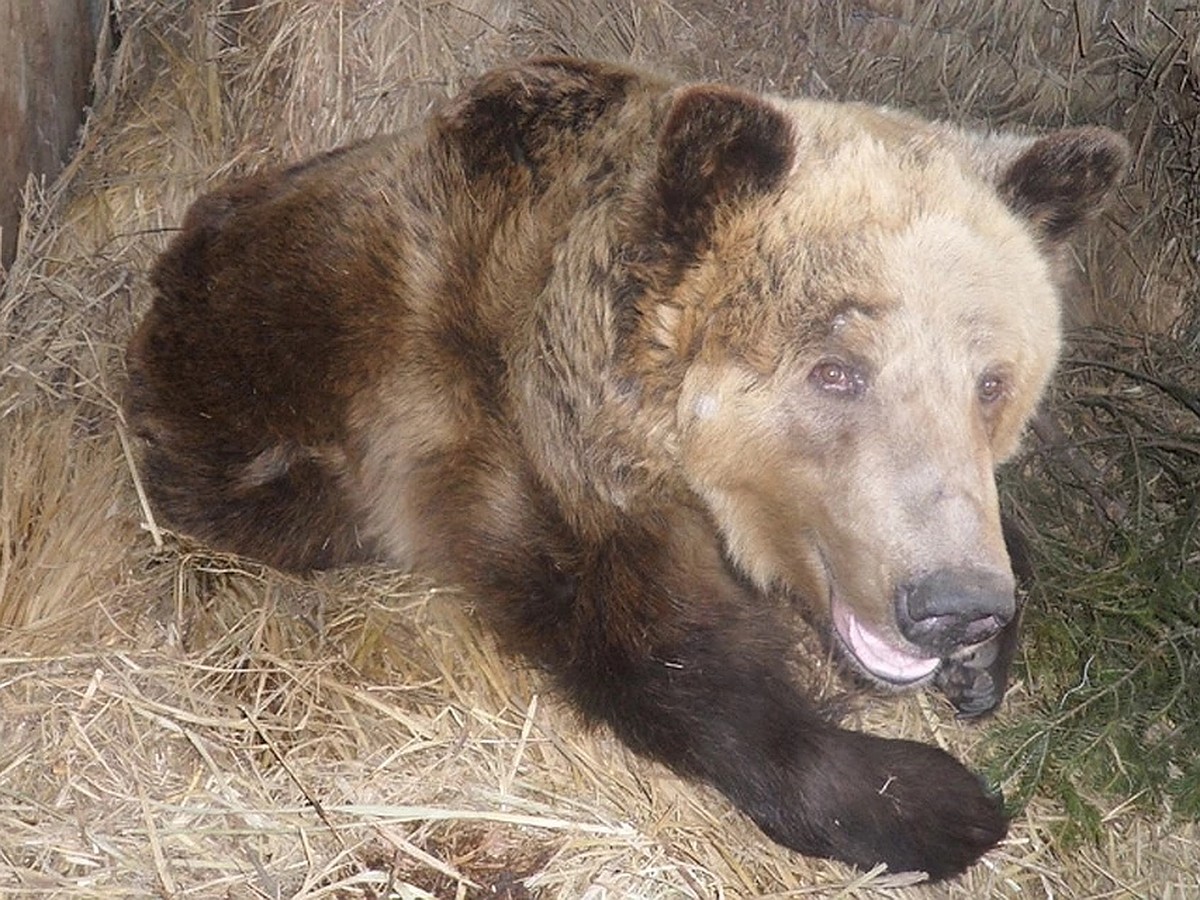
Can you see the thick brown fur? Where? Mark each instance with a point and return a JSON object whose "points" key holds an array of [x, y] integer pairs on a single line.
{"points": [[639, 364]]}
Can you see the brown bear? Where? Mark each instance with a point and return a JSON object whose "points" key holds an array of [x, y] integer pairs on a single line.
{"points": [[647, 367]]}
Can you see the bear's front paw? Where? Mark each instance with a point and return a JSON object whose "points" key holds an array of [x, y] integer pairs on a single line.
{"points": [[917, 808], [908, 805]]}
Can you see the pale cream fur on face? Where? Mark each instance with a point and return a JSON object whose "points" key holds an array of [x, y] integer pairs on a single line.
{"points": [[956, 289]]}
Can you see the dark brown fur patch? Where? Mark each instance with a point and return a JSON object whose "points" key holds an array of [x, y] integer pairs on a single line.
{"points": [[244, 367]]}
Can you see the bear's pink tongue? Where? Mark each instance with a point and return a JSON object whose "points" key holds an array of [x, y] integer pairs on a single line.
{"points": [[878, 656]]}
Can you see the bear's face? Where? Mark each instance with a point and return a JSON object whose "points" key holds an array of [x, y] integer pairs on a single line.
{"points": [[865, 343]]}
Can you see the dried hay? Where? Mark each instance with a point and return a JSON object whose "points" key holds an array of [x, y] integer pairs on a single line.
{"points": [[176, 723]]}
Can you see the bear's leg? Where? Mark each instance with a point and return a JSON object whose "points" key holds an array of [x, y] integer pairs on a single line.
{"points": [[654, 637], [239, 380], [222, 467]]}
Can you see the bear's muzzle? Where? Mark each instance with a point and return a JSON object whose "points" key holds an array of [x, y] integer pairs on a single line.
{"points": [[950, 609]]}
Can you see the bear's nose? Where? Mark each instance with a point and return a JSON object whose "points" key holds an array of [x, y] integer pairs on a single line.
{"points": [[953, 608]]}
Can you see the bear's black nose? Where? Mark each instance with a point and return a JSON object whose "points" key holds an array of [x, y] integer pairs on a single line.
{"points": [[953, 608]]}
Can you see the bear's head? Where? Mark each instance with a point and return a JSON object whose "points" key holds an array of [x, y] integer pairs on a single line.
{"points": [[863, 313]]}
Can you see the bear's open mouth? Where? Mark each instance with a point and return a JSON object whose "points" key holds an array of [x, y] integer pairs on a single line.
{"points": [[877, 656]]}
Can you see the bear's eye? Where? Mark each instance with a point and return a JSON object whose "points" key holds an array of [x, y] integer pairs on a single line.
{"points": [[991, 388], [837, 378]]}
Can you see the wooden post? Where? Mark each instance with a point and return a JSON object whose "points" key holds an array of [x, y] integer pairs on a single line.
{"points": [[47, 49]]}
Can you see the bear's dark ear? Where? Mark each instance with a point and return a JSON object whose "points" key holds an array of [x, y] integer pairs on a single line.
{"points": [[718, 145], [1059, 180]]}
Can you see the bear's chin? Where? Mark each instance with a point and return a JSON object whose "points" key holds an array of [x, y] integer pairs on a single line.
{"points": [[877, 658]]}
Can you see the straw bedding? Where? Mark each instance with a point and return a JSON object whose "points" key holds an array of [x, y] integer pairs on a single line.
{"points": [[178, 723]]}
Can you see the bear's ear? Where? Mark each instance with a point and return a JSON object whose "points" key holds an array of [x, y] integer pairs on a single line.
{"points": [[1059, 180], [718, 145]]}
